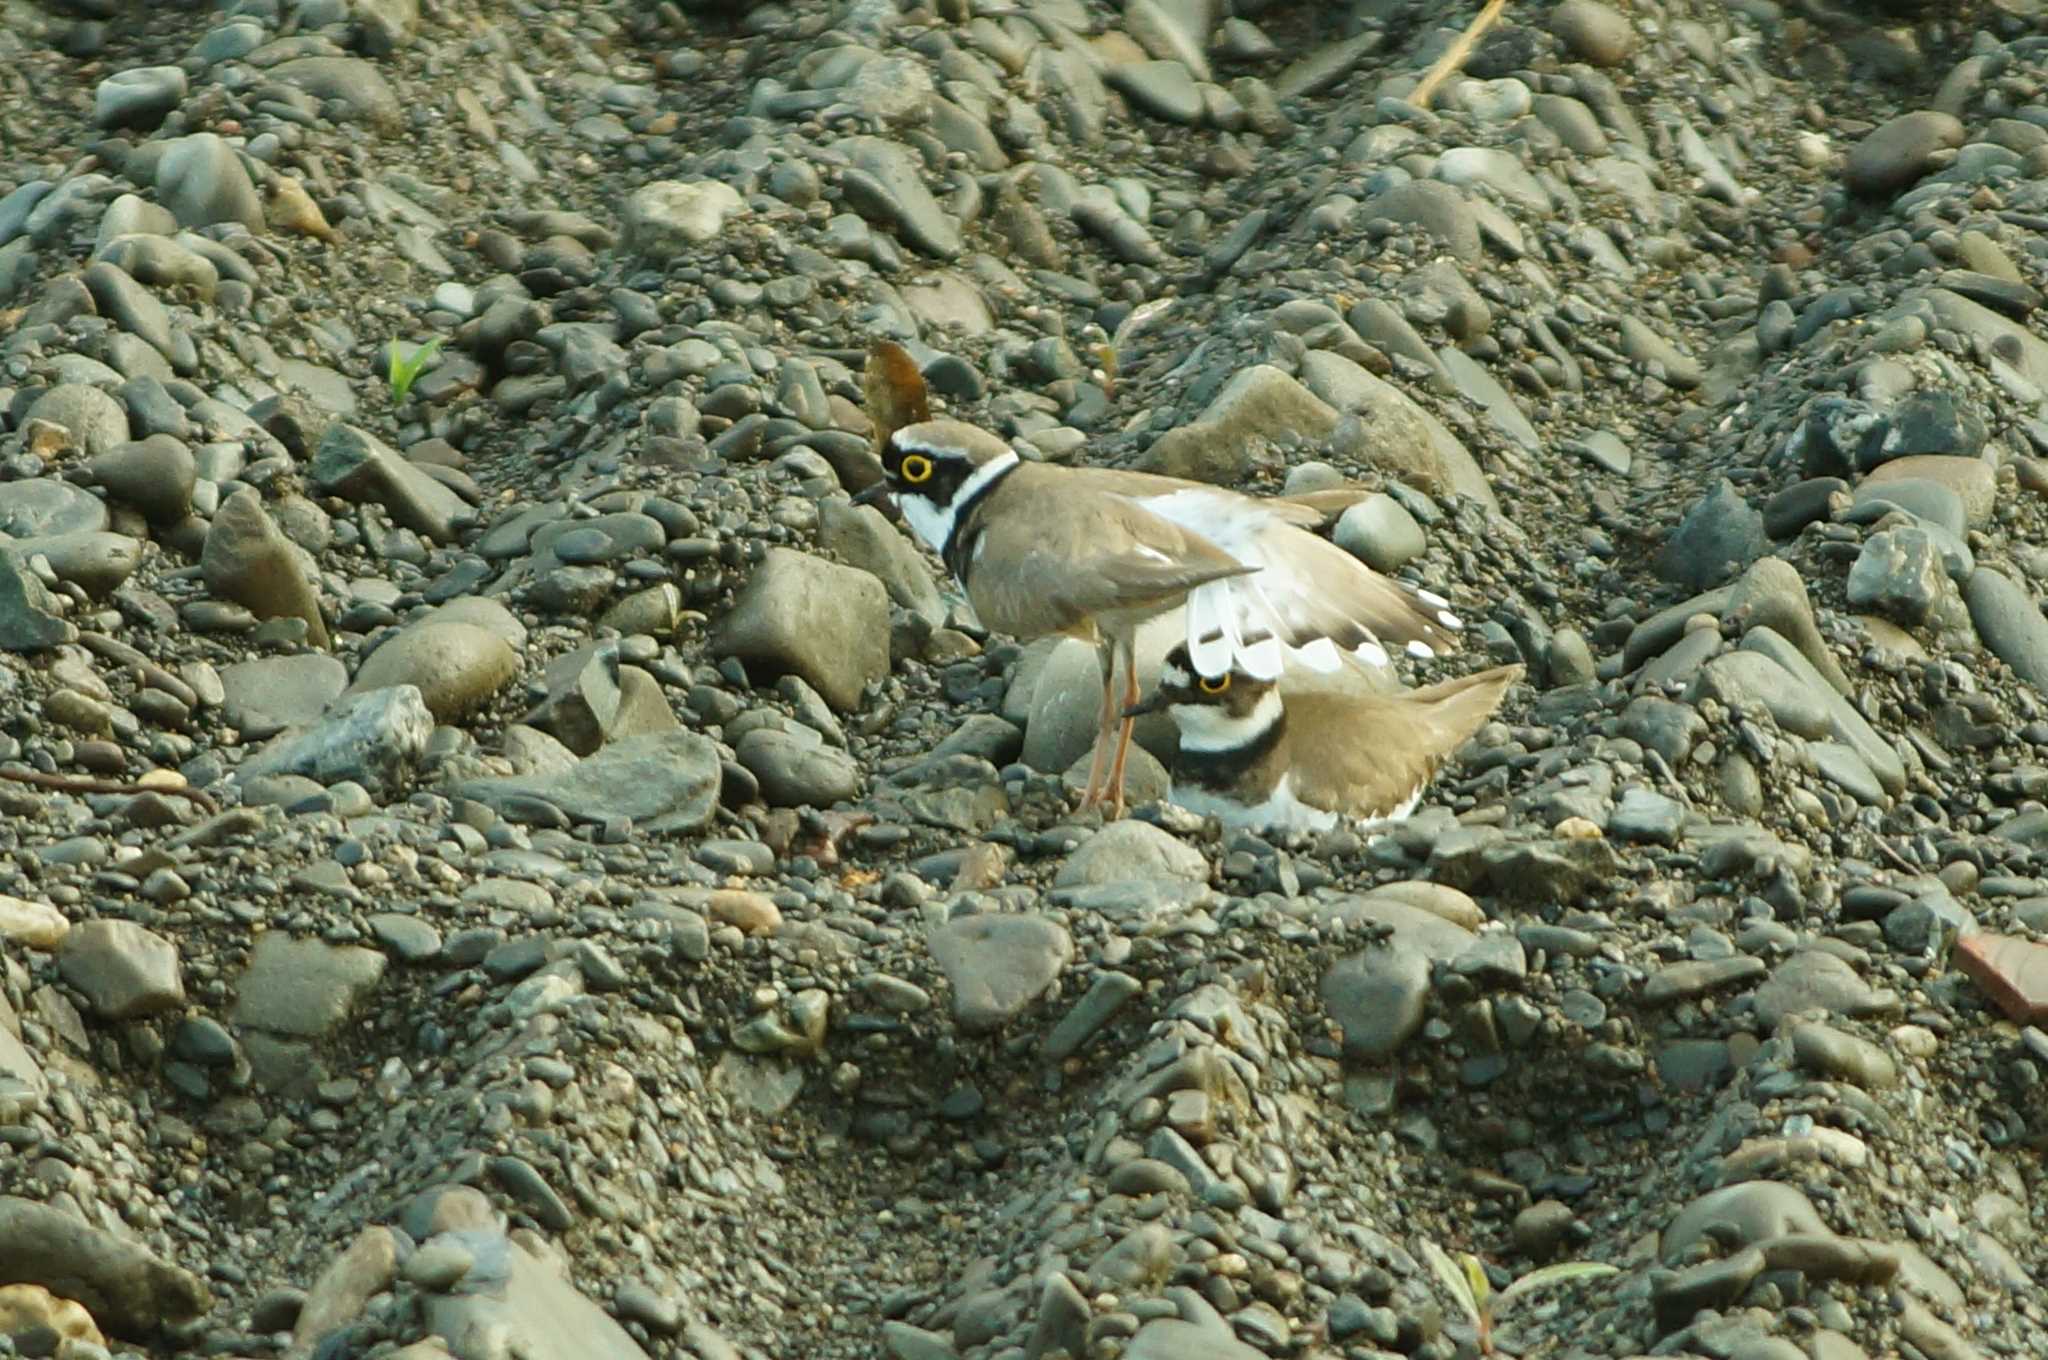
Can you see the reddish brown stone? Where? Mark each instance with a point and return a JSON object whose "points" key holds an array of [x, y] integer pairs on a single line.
{"points": [[2013, 972]]}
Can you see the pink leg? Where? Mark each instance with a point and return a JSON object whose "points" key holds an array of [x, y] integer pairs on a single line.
{"points": [[1100, 763], [1123, 743]]}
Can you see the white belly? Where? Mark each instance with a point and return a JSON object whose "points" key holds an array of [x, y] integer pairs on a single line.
{"points": [[1279, 811]]}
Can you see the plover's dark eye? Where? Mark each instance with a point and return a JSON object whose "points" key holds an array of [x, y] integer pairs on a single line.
{"points": [[915, 468], [1214, 684]]}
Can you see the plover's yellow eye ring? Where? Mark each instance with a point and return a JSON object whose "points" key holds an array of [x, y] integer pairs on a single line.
{"points": [[1214, 684], [915, 468]]}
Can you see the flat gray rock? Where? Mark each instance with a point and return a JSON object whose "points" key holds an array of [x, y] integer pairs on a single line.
{"points": [[269, 692], [999, 963], [307, 988], [667, 783]]}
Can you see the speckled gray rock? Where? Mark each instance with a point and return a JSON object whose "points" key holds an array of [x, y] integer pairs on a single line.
{"points": [[1899, 574], [801, 614], [270, 692], [124, 971], [372, 740], [669, 218], [1719, 536], [29, 621]]}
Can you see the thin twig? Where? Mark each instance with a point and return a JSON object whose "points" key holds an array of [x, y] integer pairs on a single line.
{"points": [[1452, 60], [69, 783]]}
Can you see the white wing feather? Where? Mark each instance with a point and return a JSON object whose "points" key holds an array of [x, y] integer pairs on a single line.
{"points": [[1274, 617]]}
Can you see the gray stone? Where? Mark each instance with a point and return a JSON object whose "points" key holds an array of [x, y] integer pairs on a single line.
{"points": [[885, 184], [1380, 532], [128, 1290], [1164, 89], [1173, 1339], [124, 971], [138, 97], [1593, 32], [353, 87], [1647, 816], [1720, 535], [671, 218], [1896, 154], [1384, 428], [1129, 850], [806, 616], [665, 783], [137, 311], [795, 772], [1749, 682], [2010, 622], [93, 418], [29, 621], [1260, 403], [156, 475], [355, 464], [998, 964], [860, 536], [1437, 208], [272, 692], [1834, 1053], [373, 741], [97, 563], [457, 667], [1899, 573], [1742, 1214], [246, 559], [307, 988], [1378, 997], [202, 181], [510, 1292], [1843, 720], [1812, 980]]}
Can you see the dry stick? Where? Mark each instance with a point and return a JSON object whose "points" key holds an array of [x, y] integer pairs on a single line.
{"points": [[1451, 61], [65, 783]]}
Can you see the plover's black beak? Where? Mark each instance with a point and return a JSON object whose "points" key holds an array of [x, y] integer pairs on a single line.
{"points": [[877, 493], [1151, 705]]}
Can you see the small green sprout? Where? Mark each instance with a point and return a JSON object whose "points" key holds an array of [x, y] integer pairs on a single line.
{"points": [[1465, 1280], [403, 370]]}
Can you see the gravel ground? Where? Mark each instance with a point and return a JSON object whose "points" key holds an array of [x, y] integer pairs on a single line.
{"points": [[501, 859]]}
